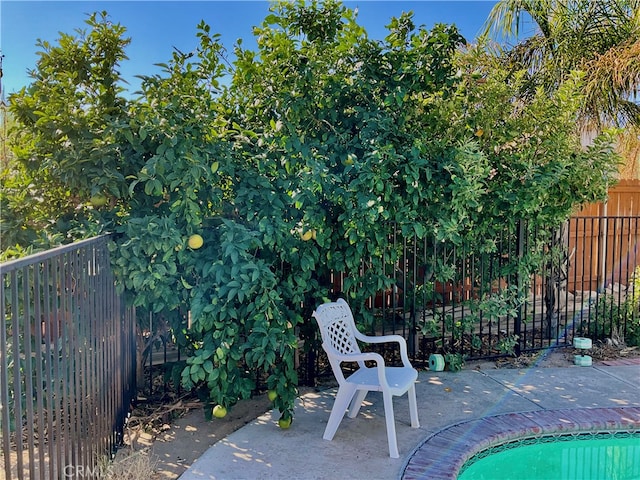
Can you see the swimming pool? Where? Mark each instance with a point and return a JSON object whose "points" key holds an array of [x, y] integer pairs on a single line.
{"points": [[570, 457], [442, 455]]}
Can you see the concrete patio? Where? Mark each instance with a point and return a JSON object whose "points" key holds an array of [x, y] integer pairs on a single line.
{"points": [[359, 448]]}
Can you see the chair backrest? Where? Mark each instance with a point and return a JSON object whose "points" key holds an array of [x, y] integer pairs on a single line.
{"points": [[337, 328]]}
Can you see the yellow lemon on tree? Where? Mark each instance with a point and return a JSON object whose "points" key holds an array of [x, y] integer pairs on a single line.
{"points": [[195, 241], [219, 411], [284, 422], [272, 395], [306, 236], [98, 200], [350, 160]]}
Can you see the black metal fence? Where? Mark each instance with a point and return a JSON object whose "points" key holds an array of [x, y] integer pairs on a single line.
{"points": [[67, 362], [536, 290], [68, 344]]}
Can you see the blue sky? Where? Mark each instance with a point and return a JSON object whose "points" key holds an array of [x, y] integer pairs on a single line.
{"points": [[155, 27]]}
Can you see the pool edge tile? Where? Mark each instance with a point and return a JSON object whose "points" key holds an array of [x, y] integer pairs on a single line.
{"points": [[441, 455]]}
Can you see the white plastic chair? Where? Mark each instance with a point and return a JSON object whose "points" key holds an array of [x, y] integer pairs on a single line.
{"points": [[339, 340]]}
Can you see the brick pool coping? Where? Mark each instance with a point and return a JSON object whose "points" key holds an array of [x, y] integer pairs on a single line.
{"points": [[442, 455]]}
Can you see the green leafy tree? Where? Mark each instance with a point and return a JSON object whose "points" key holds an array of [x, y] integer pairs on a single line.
{"points": [[70, 161], [14, 198], [601, 39], [292, 162], [288, 173], [598, 37]]}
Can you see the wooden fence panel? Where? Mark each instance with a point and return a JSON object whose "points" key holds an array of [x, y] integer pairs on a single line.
{"points": [[624, 200], [604, 252], [610, 227]]}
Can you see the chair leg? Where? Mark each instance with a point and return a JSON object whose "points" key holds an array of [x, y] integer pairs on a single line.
{"points": [[413, 406], [391, 425], [356, 403], [340, 405]]}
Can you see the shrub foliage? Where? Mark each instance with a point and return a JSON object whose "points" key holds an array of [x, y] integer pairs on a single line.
{"points": [[290, 160]]}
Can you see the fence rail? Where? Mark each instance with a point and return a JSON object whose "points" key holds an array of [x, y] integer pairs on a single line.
{"points": [[68, 345], [67, 362], [444, 300]]}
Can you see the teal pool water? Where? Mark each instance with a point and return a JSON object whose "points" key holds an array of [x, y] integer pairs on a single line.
{"points": [[588, 457]]}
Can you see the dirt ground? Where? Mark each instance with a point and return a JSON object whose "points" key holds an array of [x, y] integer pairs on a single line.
{"points": [[179, 433], [174, 444], [190, 435]]}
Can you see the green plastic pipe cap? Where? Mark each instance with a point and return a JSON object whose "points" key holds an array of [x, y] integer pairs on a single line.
{"points": [[436, 362], [582, 343], [582, 360]]}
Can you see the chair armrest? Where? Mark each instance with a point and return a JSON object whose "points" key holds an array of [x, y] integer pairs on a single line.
{"points": [[366, 357], [388, 339], [380, 338]]}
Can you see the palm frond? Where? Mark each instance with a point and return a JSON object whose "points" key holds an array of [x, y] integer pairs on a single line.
{"points": [[599, 37], [613, 83], [508, 16]]}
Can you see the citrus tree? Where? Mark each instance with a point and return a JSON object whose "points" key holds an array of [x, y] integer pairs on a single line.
{"points": [[67, 174], [287, 174], [236, 188]]}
